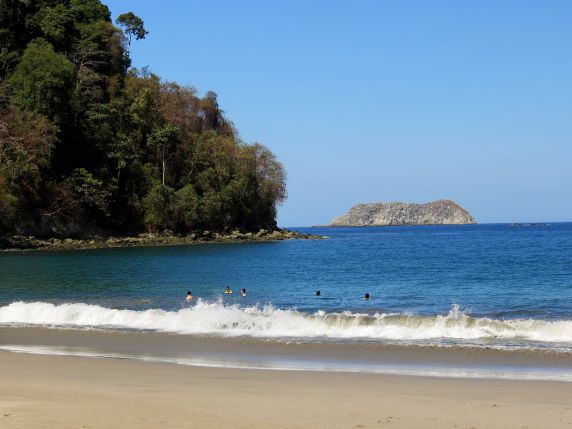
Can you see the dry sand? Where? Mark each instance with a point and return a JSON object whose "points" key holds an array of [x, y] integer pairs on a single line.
{"points": [[72, 392]]}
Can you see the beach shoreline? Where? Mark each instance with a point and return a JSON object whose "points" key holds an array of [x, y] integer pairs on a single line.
{"points": [[62, 391], [290, 354]]}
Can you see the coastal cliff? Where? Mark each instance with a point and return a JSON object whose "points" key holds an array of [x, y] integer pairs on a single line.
{"points": [[441, 212]]}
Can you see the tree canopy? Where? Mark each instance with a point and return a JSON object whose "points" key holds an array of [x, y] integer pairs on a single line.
{"points": [[90, 145], [133, 25]]}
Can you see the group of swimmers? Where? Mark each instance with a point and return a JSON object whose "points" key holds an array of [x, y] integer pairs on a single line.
{"points": [[366, 296], [227, 291]]}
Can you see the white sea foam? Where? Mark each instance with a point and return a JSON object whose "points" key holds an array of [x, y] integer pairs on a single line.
{"points": [[215, 318]]}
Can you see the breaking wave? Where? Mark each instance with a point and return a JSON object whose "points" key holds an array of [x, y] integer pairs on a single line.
{"points": [[215, 318]]}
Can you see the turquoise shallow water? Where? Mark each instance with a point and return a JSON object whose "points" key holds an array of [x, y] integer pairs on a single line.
{"points": [[488, 284]]}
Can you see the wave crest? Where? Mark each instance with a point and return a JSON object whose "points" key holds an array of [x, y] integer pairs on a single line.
{"points": [[215, 318]]}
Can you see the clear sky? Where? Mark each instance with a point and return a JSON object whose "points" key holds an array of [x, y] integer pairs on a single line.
{"points": [[367, 101]]}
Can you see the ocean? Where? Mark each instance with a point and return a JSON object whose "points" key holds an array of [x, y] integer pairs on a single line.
{"points": [[468, 287]]}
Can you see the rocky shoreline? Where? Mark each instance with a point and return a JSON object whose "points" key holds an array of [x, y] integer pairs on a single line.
{"points": [[20, 242]]}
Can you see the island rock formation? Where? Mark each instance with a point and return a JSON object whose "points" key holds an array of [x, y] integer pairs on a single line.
{"points": [[441, 212]]}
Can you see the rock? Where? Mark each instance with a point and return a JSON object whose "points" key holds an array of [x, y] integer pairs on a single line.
{"points": [[277, 235], [68, 241], [442, 212]]}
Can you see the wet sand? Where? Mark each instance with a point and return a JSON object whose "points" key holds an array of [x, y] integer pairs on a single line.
{"points": [[71, 392], [252, 352]]}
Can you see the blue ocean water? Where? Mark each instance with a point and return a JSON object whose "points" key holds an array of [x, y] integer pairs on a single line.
{"points": [[495, 270], [466, 281]]}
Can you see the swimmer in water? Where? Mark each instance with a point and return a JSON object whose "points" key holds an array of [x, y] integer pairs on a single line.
{"points": [[189, 296], [366, 296], [243, 292], [318, 293], [228, 290]]}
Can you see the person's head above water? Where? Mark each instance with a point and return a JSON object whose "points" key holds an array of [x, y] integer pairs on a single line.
{"points": [[189, 292], [318, 293], [366, 296]]}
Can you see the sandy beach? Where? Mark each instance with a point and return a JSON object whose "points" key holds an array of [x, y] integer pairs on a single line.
{"points": [[71, 392]]}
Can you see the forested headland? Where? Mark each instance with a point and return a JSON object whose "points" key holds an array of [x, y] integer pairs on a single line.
{"points": [[90, 145]]}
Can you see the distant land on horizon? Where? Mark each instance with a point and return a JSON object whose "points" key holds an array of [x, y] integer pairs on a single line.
{"points": [[441, 212]]}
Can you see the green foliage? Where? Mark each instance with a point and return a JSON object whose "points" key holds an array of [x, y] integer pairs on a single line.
{"points": [[42, 80], [85, 141], [187, 209], [133, 25], [13, 33], [8, 209], [163, 140], [89, 191], [8, 60], [55, 23], [88, 11], [159, 206]]}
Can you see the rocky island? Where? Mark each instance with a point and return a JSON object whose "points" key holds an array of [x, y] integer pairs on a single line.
{"points": [[441, 212]]}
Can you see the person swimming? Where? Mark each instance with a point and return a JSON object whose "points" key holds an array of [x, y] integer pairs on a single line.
{"points": [[243, 292], [318, 293], [228, 290], [189, 296], [366, 296]]}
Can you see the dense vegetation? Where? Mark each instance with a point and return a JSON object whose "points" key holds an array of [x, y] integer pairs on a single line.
{"points": [[90, 145]]}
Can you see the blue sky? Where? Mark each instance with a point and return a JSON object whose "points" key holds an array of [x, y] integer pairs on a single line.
{"points": [[372, 101]]}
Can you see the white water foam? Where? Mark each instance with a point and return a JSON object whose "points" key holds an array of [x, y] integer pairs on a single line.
{"points": [[215, 318]]}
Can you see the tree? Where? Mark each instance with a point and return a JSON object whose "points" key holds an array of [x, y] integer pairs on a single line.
{"points": [[159, 205], [187, 210], [25, 142], [14, 33], [55, 23], [43, 80], [89, 11], [133, 26], [89, 191], [263, 171], [270, 174], [163, 140]]}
